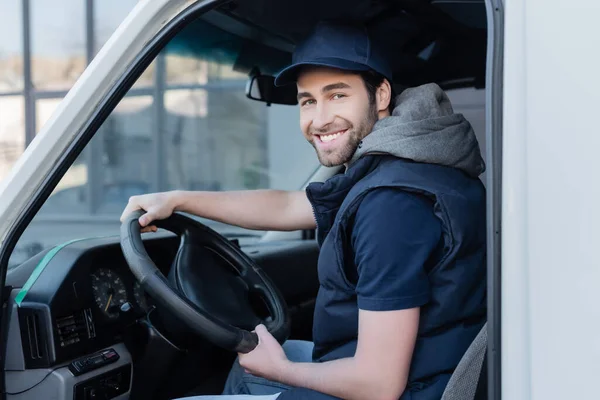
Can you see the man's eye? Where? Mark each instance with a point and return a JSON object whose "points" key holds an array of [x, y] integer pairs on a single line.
{"points": [[308, 102], [338, 96]]}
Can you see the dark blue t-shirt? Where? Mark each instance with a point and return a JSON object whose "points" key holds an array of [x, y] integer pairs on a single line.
{"points": [[391, 250], [395, 240]]}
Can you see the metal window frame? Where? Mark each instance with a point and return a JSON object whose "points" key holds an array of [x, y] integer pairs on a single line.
{"points": [[27, 82]]}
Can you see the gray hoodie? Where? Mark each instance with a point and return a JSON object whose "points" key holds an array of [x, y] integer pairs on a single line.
{"points": [[424, 128]]}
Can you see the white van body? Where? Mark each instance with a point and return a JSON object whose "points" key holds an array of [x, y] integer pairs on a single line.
{"points": [[550, 218], [550, 214]]}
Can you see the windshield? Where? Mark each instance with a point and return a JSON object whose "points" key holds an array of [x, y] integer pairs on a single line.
{"points": [[185, 124]]}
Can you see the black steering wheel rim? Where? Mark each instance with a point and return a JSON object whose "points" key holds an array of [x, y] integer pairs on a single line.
{"points": [[197, 320]]}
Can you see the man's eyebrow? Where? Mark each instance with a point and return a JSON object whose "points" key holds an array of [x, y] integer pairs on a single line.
{"points": [[335, 86], [302, 95], [325, 89]]}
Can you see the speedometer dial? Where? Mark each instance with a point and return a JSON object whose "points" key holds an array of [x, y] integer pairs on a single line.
{"points": [[109, 292]]}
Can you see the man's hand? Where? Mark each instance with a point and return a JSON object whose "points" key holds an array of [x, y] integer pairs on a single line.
{"points": [[156, 205], [267, 360]]}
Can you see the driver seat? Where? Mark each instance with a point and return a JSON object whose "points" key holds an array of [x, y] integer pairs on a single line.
{"points": [[469, 380]]}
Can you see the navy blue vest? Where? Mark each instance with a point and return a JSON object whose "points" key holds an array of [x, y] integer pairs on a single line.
{"points": [[457, 307]]}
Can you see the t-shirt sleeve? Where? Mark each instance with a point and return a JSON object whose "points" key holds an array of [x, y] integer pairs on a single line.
{"points": [[394, 236]]}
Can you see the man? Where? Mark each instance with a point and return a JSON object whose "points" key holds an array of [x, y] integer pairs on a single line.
{"points": [[402, 232]]}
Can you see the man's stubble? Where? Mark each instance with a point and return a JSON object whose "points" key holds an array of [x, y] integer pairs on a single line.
{"points": [[355, 134]]}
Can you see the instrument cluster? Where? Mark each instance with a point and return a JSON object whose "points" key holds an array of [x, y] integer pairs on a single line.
{"points": [[114, 293]]}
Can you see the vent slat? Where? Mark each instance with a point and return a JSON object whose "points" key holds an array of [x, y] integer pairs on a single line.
{"points": [[71, 329], [34, 339]]}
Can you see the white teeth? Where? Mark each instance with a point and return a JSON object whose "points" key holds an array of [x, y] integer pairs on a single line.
{"points": [[329, 138]]}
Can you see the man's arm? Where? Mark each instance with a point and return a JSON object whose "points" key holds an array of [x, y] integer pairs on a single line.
{"points": [[251, 209], [378, 370]]}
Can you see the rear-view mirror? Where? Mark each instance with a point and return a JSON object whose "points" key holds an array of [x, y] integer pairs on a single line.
{"points": [[262, 88]]}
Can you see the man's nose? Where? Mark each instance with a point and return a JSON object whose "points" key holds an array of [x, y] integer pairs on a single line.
{"points": [[323, 117]]}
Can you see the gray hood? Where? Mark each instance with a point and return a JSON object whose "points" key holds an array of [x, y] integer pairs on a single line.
{"points": [[424, 128]]}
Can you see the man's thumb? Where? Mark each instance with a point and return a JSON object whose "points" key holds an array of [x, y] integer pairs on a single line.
{"points": [[145, 219], [261, 331]]}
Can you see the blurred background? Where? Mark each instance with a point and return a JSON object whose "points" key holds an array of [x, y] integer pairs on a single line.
{"points": [[185, 124]]}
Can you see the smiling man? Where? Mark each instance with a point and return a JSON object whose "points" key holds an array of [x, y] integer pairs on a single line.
{"points": [[336, 117], [402, 232]]}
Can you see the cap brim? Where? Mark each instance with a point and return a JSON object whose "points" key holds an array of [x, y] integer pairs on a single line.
{"points": [[290, 74]]}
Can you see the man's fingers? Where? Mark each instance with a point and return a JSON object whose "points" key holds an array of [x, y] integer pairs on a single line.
{"points": [[128, 210], [131, 207], [144, 220]]}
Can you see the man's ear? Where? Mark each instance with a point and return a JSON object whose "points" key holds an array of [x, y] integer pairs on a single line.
{"points": [[384, 96]]}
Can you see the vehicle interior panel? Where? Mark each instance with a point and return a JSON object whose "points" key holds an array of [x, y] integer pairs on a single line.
{"points": [[443, 42]]}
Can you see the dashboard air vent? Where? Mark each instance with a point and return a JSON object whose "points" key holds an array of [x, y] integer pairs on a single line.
{"points": [[72, 329], [34, 335]]}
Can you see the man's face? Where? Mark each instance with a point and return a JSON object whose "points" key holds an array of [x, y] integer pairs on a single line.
{"points": [[335, 114]]}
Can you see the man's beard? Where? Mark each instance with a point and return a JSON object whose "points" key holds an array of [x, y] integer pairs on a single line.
{"points": [[354, 135]]}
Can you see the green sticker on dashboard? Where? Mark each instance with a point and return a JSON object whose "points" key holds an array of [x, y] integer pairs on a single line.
{"points": [[40, 268]]}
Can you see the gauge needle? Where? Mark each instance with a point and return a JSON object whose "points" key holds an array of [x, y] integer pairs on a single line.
{"points": [[108, 303]]}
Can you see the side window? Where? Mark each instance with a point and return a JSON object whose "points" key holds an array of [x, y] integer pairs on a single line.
{"points": [[186, 125]]}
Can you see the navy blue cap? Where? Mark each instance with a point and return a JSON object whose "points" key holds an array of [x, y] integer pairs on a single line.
{"points": [[342, 46]]}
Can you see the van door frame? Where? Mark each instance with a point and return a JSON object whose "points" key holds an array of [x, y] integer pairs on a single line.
{"points": [[494, 99]]}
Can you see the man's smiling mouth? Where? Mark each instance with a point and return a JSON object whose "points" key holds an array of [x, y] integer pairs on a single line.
{"points": [[331, 137]]}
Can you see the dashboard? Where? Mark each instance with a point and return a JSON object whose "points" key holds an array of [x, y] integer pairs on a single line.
{"points": [[84, 298], [110, 300], [75, 302]]}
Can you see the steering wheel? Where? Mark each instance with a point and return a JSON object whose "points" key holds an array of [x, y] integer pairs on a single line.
{"points": [[215, 283]]}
